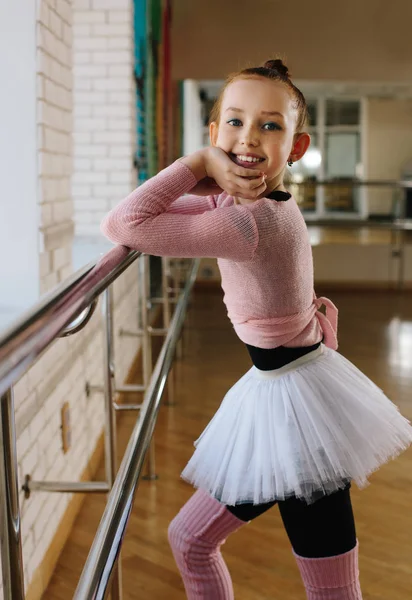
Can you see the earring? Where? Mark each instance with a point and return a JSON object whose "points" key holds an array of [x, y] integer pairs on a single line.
{"points": [[290, 163]]}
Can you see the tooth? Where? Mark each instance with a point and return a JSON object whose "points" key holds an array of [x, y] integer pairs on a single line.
{"points": [[250, 159]]}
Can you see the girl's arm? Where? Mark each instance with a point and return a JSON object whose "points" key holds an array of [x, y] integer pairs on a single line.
{"points": [[191, 204], [143, 221]]}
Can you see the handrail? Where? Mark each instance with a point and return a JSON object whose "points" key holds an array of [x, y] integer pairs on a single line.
{"points": [[22, 344], [107, 543], [351, 221], [63, 312], [395, 225], [80, 321], [353, 182]]}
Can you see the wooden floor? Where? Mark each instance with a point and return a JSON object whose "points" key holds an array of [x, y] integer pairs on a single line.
{"points": [[376, 334]]}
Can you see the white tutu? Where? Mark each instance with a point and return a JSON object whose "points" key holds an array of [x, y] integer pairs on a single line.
{"points": [[306, 428]]}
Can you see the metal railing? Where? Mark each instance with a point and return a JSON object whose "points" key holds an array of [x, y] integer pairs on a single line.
{"points": [[106, 546], [65, 311]]}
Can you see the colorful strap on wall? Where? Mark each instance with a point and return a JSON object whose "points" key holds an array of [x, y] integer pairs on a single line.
{"points": [[140, 35], [157, 102]]}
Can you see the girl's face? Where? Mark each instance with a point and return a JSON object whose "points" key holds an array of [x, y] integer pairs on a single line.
{"points": [[257, 127]]}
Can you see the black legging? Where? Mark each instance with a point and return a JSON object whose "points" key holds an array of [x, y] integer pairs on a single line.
{"points": [[324, 528]]}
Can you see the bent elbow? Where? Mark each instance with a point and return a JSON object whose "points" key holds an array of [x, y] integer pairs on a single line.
{"points": [[110, 230], [105, 226], [120, 232]]}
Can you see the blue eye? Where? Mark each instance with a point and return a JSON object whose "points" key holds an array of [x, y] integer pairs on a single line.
{"points": [[272, 126], [235, 122]]}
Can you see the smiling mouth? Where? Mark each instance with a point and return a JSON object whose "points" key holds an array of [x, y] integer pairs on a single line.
{"points": [[244, 158]]}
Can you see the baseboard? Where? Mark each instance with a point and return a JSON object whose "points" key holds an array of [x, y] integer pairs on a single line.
{"points": [[44, 572]]}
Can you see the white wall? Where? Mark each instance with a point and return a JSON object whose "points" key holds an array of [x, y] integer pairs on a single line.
{"points": [[389, 146], [192, 117], [352, 40], [19, 267]]}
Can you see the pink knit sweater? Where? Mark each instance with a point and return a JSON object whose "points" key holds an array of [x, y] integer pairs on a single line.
{"points": [[263, 252]]}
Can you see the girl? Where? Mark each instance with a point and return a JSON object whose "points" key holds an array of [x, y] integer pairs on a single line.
{"points": [[303, 422]]}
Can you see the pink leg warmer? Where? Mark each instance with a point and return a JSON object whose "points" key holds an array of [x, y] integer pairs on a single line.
{"points": [[334, 578], [195, 536]]}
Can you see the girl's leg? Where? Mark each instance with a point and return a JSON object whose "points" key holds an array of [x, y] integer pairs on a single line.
{"points": [[195, 536], [323, 538]]}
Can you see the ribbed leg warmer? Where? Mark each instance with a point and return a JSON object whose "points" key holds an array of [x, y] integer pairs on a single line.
{"points": [[195, 536], [334, 578]]}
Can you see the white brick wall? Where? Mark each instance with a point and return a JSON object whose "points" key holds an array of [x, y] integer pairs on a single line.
{"points": [[104, 109], [54, 134]]}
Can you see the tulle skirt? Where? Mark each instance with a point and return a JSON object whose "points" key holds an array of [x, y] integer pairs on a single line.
{"points": [[302, 430]]}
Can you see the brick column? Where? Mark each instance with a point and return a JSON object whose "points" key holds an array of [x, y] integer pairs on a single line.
{"points": [[104, 113], [54, 118]]}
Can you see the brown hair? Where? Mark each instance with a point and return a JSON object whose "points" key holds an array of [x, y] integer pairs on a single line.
{"points": [[272, 69]]}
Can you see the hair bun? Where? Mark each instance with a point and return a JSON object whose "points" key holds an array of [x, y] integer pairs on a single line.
{"points": [[277, 65]]}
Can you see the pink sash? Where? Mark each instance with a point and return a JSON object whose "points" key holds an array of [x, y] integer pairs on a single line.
{"points": [[281, 330]]}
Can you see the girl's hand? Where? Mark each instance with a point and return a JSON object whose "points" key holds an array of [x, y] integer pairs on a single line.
{"points": [[216, 172], [233, 179]]}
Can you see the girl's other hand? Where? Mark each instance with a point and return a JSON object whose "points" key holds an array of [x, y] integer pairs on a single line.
{"points": [[216, 172], [232, 178]]}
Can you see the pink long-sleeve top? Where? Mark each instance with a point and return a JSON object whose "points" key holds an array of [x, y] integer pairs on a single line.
{"points": [[263, 251]]}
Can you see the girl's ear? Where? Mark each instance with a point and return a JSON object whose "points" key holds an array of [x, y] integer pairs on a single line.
{"points": [[213, 131], [300, 145]]}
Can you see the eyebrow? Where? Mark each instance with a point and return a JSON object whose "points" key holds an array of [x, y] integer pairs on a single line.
{"points": [[270, 113]]}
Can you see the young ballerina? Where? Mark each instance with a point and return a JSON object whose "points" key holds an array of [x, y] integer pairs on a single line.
{"points": [[303, 422]]}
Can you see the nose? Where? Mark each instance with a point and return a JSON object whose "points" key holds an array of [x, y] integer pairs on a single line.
{"points": [[250, 136]]}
